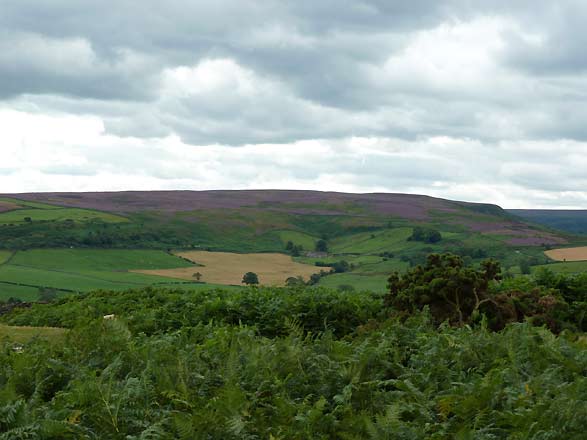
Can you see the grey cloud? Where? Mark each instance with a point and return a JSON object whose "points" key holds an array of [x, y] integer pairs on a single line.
{"points": [[319, 66]]}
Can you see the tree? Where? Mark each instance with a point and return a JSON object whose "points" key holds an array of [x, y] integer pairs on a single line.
{"points": [[289, 245], [294, 281], [525, 267], [198, 276], [427, 235], [47, 294], [250, 278], [321, 246], [450, 289]]}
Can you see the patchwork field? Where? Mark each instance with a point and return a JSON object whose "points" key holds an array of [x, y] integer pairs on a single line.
{"points": [[229, 268], [373, 242], [82, 270], [15, 211], [568, 254]]}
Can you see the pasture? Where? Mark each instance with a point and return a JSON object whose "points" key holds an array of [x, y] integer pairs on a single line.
{"points": [[569, 267], [373, 242], [82, 270], [568, 254], [22, 334], [228, 268], [359, 282], [77, 215], [298, 238]]}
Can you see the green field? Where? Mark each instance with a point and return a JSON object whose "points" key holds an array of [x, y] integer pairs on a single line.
{"points": [[78, 215], [98, 259], [4, 256], [389, 240], [24, 293], [298, 238], [22, 334], [373, 283], [82, 270], [570, 267]]}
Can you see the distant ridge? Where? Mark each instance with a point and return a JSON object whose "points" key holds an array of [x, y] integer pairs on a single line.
{"points": [[265, 210]]}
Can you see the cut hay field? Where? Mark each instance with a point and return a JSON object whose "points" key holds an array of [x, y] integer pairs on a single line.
{"points": [[568, 254], [229, 268]]}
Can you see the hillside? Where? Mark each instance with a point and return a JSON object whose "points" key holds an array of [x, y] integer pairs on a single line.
{"points": [[77, 242], [264, 211], [572, 221]]}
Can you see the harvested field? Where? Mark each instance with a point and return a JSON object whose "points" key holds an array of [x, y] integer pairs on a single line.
{"points": [[8, 206], [568, 254], [229, 268]]}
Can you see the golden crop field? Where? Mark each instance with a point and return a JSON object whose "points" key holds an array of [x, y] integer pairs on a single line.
{"points": [[568, 254], [229, 268]]}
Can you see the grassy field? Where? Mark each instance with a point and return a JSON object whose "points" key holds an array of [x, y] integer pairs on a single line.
{"points": [[370, 282], [25, 334], [298, 238], [24, 293], [98, 259], [229, 268], [372, 242], [79, 215], [82, 270], [569, 267], [5, 256]]}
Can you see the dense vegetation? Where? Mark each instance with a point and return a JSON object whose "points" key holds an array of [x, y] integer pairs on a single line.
{"points": [[297, 363]]}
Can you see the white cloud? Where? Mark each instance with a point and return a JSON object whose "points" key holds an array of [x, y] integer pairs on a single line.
{"points": [[475, 101]]}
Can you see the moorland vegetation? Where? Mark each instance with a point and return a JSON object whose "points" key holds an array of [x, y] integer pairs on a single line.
{"points": [[305, 362]]}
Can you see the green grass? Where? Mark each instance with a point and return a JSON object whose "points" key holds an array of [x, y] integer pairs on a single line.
{"points": [[5, 256], [569, 267], [79, 215], [372, 242], [81, 281], [24, 293], [25, 334], [383, 267], [374, 283], [298, 238], [98, 259], [83, 270]]}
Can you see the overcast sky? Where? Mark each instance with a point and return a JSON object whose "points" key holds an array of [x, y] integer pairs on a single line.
{"points": [[469, 100]]}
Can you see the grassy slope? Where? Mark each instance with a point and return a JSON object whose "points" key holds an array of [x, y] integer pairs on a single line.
{"points": [[355, 233], [25, 334], [79, 215], [82, 270]]}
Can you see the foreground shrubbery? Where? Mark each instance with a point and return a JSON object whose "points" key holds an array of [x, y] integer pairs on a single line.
{"points": [[300, 363], [390, 380], [461, 294]]}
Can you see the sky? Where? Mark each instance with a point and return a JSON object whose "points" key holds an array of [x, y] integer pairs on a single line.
{"points": [[459, 99]]}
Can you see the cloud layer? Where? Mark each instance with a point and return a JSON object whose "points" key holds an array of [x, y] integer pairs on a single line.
{"points": [[482, 102]]}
